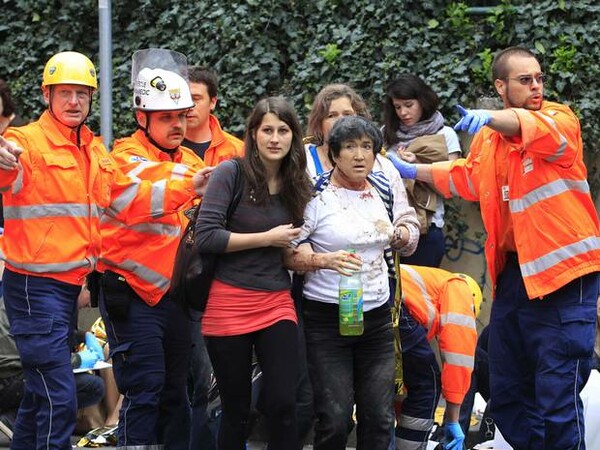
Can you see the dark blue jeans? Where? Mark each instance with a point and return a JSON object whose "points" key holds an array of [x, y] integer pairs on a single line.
{"points": [[348, 370], [430, 249], [150, 350], [540, 355], [90, 389], [40, 311]]}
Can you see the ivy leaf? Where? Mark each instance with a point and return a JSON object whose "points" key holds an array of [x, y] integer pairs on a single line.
{"points": [[540, 47]]}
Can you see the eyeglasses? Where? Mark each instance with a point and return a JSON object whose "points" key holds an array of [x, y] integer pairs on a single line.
{"points": [[527, 80]]}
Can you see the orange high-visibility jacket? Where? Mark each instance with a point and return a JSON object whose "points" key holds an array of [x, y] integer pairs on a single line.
{"points": [[145, 253], [555, 222], [442, 303], [54, 200], [223, 146]]}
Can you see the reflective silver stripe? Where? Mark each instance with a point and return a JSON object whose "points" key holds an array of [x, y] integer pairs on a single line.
{"points": [[453, 189], [161, 229], [52, 267], [158, 198], [457, 359], [409, 445], [559, 255], [178, 172], [471, 187], [546, 191], [51, 210], [119, 204], [416, 277], [415, 423], [145, 273], [18, 184], [560, 151], [133, 173], [457, 319]]}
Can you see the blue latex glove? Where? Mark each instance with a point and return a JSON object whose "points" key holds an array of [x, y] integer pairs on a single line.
{"points": [[454, 435], [406, 170], [472, 120], [88, 358], [92, 344]]}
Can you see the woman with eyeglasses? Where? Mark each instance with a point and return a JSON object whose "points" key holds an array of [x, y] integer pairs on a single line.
{"points": [[414, 130]]}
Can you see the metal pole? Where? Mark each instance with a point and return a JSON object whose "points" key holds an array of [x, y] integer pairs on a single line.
{"points": [[105, 29]]}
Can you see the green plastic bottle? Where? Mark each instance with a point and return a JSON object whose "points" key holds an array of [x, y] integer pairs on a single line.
{"points": [[351, 304]]}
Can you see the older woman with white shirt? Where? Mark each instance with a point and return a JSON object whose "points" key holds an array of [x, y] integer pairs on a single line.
{"points": [[351, 211]]}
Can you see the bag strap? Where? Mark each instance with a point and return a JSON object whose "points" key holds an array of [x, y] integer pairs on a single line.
{"points": [[237, 191]]}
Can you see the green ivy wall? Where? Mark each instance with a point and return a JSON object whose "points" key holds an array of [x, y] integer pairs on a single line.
{"points": [[294, 47]]}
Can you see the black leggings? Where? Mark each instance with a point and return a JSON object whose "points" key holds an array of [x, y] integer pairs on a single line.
{"points": [[276, 348]]}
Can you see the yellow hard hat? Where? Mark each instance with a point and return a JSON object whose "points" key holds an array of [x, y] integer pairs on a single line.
{"points": [[476, 290], [70, 68]]}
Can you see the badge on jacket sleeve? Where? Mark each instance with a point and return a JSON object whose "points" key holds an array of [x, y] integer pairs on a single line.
{"points": [[505, 192]]}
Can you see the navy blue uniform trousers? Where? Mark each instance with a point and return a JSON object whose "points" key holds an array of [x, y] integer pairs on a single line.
{"points": [[40, 311], [150, 349], [423, 383], [540, 358]]}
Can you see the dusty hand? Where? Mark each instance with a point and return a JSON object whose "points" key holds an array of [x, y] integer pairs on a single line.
{"points": [[9, 154], [343, 262], [84, 300], [282, 235], [200, 180]]}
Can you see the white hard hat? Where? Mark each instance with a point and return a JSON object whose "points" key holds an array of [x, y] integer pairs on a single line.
{"points": [[161, 90], [160, 80]]}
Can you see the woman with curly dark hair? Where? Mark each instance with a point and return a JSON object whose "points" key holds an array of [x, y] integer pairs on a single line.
{"points": [[249, 305]]}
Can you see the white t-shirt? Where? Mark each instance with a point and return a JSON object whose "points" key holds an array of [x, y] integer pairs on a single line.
{"points": [[453, 145], [339, 219]]}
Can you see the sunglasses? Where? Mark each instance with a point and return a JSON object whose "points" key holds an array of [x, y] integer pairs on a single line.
{"points": [[527, 80]]}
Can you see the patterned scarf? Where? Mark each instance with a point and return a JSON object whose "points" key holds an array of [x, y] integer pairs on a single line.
{"points": [[406, 134]]}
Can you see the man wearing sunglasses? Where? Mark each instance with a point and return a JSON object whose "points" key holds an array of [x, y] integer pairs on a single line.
{"points": [[526, 169]]}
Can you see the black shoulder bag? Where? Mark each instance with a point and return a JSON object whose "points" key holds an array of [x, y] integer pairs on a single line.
{"points": [[193, 271]]}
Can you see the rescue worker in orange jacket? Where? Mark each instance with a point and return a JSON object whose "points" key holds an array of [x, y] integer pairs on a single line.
{"points": [[207, 139], [442, 305], [526, 169], [148, 332], [204, 134], [57, 181]]}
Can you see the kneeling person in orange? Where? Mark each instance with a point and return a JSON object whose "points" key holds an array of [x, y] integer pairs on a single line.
{"points": [[148, 332], [57, 181], [442, 305]]}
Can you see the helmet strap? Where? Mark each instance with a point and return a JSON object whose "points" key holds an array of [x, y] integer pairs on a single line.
{"points": [[146, 129]]}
